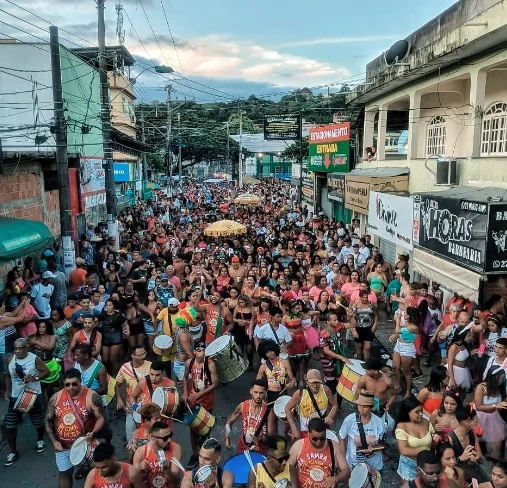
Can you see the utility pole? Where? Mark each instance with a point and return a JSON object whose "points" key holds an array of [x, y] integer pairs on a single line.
{"points": [[168, 139], [180, 167], [229, 165], [62, 160], [240, 166], [145, 163], [105, 117]]}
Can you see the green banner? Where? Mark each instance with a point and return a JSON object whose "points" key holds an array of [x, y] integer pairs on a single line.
{"points": [[330, 157]]}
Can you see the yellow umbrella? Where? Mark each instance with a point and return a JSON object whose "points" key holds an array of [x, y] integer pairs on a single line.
{"points": [[247, 199], [224, 228], [249, 180]]}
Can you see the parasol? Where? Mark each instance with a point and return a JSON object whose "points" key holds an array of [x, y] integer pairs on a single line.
{"points": [[224, 228], [247, 199], [249, 180]]}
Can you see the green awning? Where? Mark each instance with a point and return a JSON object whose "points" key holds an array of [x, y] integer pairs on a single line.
{"points": [[20, 237]]}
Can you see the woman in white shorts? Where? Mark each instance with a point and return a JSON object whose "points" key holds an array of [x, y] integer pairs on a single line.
{"points": [[404, 352]]}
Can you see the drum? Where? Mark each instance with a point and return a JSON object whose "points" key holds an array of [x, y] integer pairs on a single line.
{"points": [[349, 379], [167, 398], [283, 355], [228, 358], [202, 474], [283, 483], [200, 421], [136, 415], [279, 407], [162, 345], [25, 400], [81, 452], [331, 435], [364, 476], [239, 466]]}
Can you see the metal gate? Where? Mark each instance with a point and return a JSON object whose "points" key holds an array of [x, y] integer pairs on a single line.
{"points": [[388, 251], [81, 225]]}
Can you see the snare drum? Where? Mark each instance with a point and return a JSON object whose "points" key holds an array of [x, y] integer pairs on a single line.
{"points": [[331, 435], [202, 474], [136, 415], [279, 407], [283, 355], [167, 398], [228, 358], [349, 379], [162, 345], [26, 400], [239, 466], [81, 451], [364, 476], [200, 421]]}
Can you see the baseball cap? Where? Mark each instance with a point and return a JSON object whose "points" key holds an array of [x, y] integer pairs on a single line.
{"points": [[48, 274], [48, 253], [314, 376], [173, 302], [164, 276], [373, 363]]}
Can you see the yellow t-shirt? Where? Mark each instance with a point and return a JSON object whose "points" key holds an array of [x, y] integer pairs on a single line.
{"points": [[169, 329], [265, 478], [127, 375], [306, 408]]}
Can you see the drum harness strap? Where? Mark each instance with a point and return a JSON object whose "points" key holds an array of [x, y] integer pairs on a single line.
{"points": [[74, 411], [149, 385], [133, 370], [314, 402], [207, 372], [261, 424], [94, 374], [364, 443]]}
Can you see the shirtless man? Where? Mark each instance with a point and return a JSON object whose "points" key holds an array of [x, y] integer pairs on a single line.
{"points": [[237, 272], [379, 383]]}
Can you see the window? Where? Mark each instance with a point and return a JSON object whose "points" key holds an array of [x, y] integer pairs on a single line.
{"points": [[278, 170], [436, 136], [494, 130], [124, 105]]}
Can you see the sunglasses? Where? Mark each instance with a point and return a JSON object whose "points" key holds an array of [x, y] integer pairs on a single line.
{"points": [[281, 459], [199, 349], [318, 439], [70, 384], [164, 438]]}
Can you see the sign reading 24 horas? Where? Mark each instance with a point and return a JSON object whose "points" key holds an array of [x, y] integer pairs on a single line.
{"points": [[453, 228]]}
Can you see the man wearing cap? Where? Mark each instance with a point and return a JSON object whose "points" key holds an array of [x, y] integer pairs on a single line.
{"points": [[167, 326], [363, 431], [41, 295], [305, 399], [199, 382], [237, 272], [165, 290], [377, 382]]}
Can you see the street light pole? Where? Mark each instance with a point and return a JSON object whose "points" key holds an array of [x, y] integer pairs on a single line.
{"points": [[240, 165], [180, 167], [168, 140]]}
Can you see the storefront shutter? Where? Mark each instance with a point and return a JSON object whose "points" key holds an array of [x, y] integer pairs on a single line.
{"points": [[325, 204], [388, 250]]}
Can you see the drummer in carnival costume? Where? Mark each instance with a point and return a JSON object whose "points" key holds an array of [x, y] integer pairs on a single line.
{"points": [[314, 401], [183, 338], [167, 327], [198, 389], [218, 317], [276, 468], [150, 413], [207, 472], [254, 415], [73, 412]]}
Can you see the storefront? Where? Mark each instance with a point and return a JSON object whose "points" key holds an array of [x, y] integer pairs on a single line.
{"points": [[390, 219], [460, 239], [336, 196], [126, 179], [360, 182]]}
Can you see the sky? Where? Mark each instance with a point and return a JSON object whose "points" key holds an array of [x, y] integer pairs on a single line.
{"points": [[225, 49]]}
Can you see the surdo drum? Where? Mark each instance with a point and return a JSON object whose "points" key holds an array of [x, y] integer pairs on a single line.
{"points": [[228, 358]]}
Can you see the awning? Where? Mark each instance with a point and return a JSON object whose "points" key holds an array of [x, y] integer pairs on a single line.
{"points": [[451, 276], [21, 237]]}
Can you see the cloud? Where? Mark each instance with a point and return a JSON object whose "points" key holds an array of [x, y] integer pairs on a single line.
{"points": [[338, 40]]}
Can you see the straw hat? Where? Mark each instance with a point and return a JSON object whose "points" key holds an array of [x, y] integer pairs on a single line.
{"points": [[366, 398]]}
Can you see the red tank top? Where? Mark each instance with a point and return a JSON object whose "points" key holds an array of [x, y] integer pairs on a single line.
{"points": [[145, 396], [201, 380], [67, 427], [156, 476], [212, 318], [249, 424], [313, 466], [122, 482]]}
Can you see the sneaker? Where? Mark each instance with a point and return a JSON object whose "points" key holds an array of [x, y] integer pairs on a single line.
{"points": [[41, 446], [11, 458], [192, 463]]}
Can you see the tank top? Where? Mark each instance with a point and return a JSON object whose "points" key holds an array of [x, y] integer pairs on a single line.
{"points": [[364, 316], [263, 318], [250, 422], [276, 374], [406, 335], [67, 427], [376, 283], [122, 482], [87, 374], [313, 466], [156, 476], [179, 347], [306, 408], [29, 369], [462, 355], [263, 476], [213, 319]]}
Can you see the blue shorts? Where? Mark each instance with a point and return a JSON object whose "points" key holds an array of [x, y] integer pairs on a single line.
{"points": [[4, 361], [179, 369], [149, 328]]}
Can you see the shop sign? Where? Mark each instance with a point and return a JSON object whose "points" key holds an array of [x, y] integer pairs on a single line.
{"points": [[329, 148], [92, 176], [454, 228], [122, 172], [336, 188], [496, 250], [357, 195], [282, 127], [95, 200], [391, 217]]}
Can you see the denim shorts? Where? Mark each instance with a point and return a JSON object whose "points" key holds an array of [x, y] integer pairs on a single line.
{"points": [[179, 369], [149, 328]]}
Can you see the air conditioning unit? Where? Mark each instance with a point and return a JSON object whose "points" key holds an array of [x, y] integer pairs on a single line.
{"points": [[447, 171]]}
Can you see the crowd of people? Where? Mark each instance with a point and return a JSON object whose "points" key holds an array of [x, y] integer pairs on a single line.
{"points": [[302, 297]]}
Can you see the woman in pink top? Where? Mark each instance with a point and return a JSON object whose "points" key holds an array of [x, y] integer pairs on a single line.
{"points": [[351, 286], [320, 285], [27, 327]]}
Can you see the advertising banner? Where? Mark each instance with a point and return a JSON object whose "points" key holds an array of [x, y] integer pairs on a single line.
{"points": [[282, 127], [336, 188], [391, 218], [453, 228], [329, 148], [496, 246], [92, 176], [122, 172]]}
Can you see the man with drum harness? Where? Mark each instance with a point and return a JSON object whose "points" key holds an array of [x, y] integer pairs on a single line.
{"points": [[167, 327], [207, 472], [275, 472], [130, 374], [109, 473], [26, 370], [200, 381], [183, 338], [143, 391], [320, 462], [218, 317], [316, 400], [73, 412], [254, 415]]}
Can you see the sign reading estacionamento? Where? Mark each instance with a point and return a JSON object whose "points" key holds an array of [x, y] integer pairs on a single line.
{"points": [[282, 127], [329, 147]]}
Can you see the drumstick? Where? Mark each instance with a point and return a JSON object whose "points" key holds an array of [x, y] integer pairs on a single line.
{"points": [[249, 460], [375, 448], [177, 464]]}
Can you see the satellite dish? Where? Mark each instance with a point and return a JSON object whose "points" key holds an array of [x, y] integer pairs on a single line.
{"points": [[397, 52]]}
